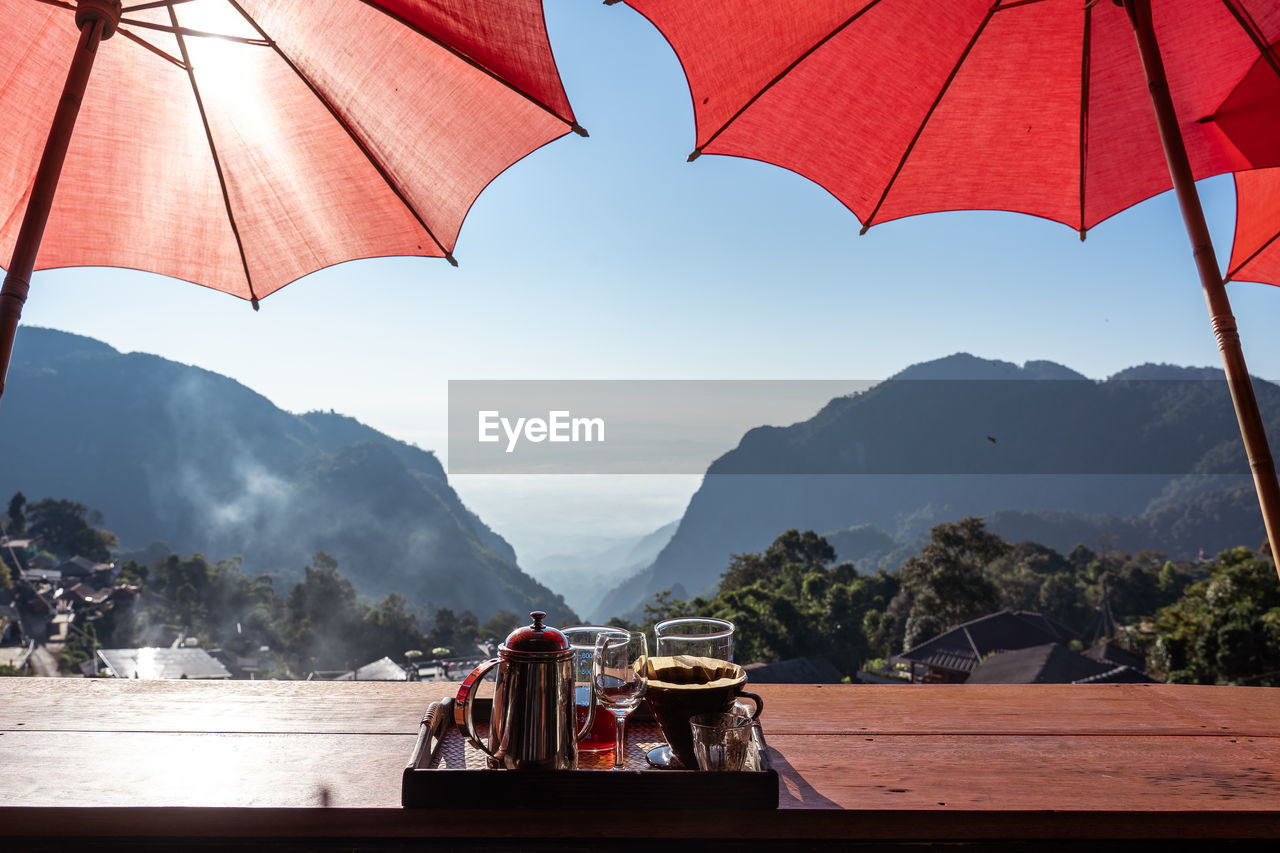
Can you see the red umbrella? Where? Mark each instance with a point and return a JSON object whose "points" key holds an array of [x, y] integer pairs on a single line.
{"points": [[241, 144], [1071, 110], [1255, 255]]}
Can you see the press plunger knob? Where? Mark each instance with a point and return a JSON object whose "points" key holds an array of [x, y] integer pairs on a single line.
{"points": [[536, 639]]}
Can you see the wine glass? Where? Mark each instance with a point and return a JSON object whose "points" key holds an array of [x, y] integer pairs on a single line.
{"points": [[621, 676]]}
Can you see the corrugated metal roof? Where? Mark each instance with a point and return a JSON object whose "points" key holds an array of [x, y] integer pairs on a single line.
{"points": [[1051, 663], [154, 664], [383, 669], [91, 595], [957, 660]]}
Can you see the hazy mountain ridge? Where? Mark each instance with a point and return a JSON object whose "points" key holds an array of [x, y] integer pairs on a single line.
{"points": [[172, 452], [587, 576], [1151, 453]]}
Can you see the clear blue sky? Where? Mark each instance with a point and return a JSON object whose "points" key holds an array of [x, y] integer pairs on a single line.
{"points": [[613, 258]]}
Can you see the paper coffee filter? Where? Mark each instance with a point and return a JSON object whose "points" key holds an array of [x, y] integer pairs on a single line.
{"points": [[688, 671]]}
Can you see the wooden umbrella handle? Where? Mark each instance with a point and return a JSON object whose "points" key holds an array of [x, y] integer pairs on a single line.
{"points": [[96, 23], [1221, 318]]}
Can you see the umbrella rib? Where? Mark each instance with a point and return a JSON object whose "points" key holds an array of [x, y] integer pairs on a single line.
{"points": [[1250, 27], [1013, 4], [942, 91], [697, 152], [573, 125], [1085, 70], [183, 31], [1231, 273], [217, 161], [61, 4], [1230, 276], [153, 5], [138, 40], [350, 131]]}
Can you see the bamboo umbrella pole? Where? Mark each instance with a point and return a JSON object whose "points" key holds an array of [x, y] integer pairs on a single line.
{"points": [[97, 21], [1215, 293]]}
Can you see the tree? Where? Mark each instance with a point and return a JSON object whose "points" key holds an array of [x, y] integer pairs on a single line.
{"points": [[769, 626], [789, 601], [184, 584], [17, 518], [1080, 557], [320, 625], [664, 607], [467, 634], [455, 632], [1170, 584], [322, 617], [793, 552], [215, 602], [778, 599], [1224, 630], [390, 630], [16, 527], [67, 529], [947, 584], [502, 624]]}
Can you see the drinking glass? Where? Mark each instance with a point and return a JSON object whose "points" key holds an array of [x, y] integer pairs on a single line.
{"points": [[720, 741], [621, 664], [699, 637], [582, 639]]}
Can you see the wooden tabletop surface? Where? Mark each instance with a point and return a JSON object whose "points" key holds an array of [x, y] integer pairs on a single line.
{"points": [[112, 758]]}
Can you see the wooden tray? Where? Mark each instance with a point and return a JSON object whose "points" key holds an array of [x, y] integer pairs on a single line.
{"points": [[459, 778]]}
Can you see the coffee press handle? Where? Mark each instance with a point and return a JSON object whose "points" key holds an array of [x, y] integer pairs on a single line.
{"points": [[759, 703], [462, 705]]}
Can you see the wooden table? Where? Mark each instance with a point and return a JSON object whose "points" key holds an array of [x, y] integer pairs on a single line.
{"points": [[247, 762]]}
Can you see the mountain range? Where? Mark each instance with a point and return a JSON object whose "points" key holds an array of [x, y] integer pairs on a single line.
{"points": [[175, 453], [1148, 458], [586, 577]]}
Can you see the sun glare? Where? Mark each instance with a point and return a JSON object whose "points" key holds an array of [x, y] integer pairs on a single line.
{"points": [[226, 68], [234, 78]]}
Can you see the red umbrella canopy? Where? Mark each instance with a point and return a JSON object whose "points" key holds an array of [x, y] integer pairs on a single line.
{"points": [[1255, 255], [900, 107], [302, 135], [1071, 110]]}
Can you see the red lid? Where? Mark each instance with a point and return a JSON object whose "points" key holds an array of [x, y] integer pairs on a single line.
{"points": [[536, 638]]}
